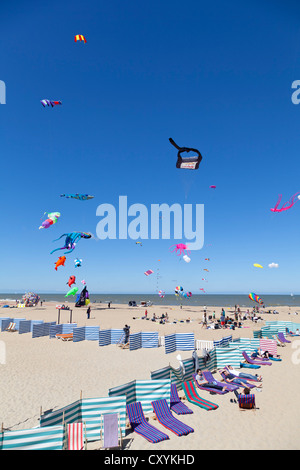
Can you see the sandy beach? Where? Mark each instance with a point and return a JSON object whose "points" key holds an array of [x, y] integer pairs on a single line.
{"points": [[50, 374]]}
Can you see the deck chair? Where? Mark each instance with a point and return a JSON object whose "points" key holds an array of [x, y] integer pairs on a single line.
{"points": [[11, 327], [193, 397], [110, 427], [64, 336], [246, 402], [278, 341], [176, 404], [248, 384], [282, 338], [254, 361], [165, 417], [76, 439], [210, 378], [255, 379], [140, 425], [209, 389]]}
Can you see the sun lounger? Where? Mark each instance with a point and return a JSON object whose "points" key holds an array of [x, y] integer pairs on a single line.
{"points": [[255, 362], [209, 389], [76, 439], [255, 379], [278, 341], [283, 338], [248, 384], [193, 397], [176, 404], [210, 378], [141, 426], [111, 429], [165, 417], [64, 336], [11, 327]]}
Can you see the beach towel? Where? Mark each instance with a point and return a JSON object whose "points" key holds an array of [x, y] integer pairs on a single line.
{"points": [[165, 417], [193, 397]]}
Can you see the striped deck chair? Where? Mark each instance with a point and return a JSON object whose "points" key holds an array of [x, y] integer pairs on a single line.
{"points": [[210, 378], [76, 440], [193, 397], [283, 338], [111, 428], [176, 404], [141, 426], [246, 401], [11, 327], [245, 382], [165, 417], [209, 389], [254, 379], [254, 361]]}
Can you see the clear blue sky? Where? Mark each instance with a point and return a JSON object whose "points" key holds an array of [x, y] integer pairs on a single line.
{"points": [[213, 75]]}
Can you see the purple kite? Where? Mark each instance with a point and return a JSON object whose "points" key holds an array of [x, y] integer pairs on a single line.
{"points": [[50, 103], [148, 272], [285, 207]]}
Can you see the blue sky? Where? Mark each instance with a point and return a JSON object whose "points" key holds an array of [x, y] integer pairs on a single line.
{"points": [[213, 76]]}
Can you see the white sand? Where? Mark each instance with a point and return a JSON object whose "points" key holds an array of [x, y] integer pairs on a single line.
{"points": [[51, 374]]}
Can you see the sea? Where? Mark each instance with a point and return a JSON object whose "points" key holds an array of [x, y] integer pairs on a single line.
{"points": [[217, 300]]}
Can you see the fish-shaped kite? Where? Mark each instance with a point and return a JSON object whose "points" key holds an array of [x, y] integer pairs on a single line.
{"points": [[80, 197], [60, 262], [50, 103]]}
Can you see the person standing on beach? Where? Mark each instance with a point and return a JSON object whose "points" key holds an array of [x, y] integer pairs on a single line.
{"points": [[88, 312]]}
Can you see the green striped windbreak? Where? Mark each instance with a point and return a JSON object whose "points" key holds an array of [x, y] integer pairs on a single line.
{"points": [[47, 438]]}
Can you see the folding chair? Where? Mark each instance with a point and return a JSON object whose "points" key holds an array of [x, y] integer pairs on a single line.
{"points": [[11, 327], [110, 427], [76, 439]]}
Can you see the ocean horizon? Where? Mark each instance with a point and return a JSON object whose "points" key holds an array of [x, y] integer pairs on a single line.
{"points": [[218, 300]]}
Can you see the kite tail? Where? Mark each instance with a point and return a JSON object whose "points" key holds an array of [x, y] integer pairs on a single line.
{"points": [[57, 249]]}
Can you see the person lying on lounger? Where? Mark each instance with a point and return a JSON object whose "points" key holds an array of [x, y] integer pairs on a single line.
{"points": [[231, 378], [201, 381], [242, 375], [263, 354]]}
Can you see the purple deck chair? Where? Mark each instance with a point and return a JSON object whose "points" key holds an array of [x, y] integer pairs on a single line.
{"points": [[254, 361], [111, 427], [247, 401], [141, 426], [249, 385], [176, 404], [210, 378], [165, 417], [210, 389], [283, 338]]}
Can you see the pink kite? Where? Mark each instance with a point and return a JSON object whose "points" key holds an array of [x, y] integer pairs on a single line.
{"points": [[148, 272], [181, 248], [285, 207], [202, 289], [213, 186]]}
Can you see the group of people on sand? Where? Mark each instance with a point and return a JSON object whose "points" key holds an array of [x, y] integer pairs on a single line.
{"points": [[164, 318]]}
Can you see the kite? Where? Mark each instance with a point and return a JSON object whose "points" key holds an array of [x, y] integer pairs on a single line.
{"points": [[178, 290], [202, 289], [255, 298], [189, 163], [77, 262], [206, 270], [161, 294], [80, 197], [148, 272], [70, 241], [285, 207], [83, 282], [52, 219], [72, 291], [186, 258], [80, 37], [181, 248], [138, 243], [83, 298], [213, 186], [60, 262], [187, 294], [206, 259], [50, 103], [256, 265], [71, 280]]}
